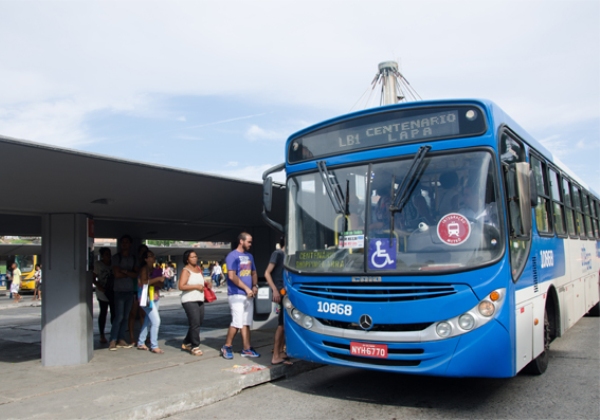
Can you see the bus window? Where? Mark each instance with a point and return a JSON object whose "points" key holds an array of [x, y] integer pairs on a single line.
{"points": [[25, 263], [542, 209], [557, 205], [595, 223], [576, 198], [569, 207], [511, 150], [586, 215], [320, 237]]}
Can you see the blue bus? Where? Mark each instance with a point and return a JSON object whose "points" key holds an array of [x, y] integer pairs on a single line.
{"points": [[433, 238]]}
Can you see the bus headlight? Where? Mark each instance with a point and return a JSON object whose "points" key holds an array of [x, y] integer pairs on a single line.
{"points": [[287, 303], [486, 308], [443, 329], [307, 322], [296, 314], [470, 320], [466, 321]]}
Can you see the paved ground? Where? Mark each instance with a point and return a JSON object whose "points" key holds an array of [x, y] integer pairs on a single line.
{"points": [[570, 389], [127, 383]]}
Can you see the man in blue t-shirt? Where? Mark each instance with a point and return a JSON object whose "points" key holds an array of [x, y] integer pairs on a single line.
{"points": [[242, 286]]}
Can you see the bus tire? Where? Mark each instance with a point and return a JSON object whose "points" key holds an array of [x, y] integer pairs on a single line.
{"points": [[595, 311], [539, 365]]}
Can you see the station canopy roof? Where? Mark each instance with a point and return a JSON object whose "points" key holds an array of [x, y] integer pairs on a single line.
{"points": [[124, 197]]}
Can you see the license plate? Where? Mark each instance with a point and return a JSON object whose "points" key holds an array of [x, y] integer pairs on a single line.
{"points": [[379, 351]]}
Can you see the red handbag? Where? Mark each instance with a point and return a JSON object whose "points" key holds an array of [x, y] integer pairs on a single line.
{"points": [[209, 294]]}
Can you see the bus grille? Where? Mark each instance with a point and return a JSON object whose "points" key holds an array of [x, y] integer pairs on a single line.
{"points": [[376, 327], [383, 292]]}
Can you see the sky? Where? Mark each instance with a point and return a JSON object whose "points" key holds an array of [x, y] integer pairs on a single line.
{"points": [[218, 86]]}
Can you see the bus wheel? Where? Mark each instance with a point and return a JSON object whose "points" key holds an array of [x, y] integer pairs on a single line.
{"points": [[595, 311], [539, 365]]}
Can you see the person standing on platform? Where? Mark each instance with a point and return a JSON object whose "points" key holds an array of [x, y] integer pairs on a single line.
{"points": [[152, 276], [103, 279], [242, 286], [224, 271], [125, 272], [216, 274], [37, 276], [274, 276], [191, 284], [9, 279], [16, 282]]}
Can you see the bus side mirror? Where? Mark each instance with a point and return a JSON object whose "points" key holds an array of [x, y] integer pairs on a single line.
{"points": [[268, 193], [268, 196]]}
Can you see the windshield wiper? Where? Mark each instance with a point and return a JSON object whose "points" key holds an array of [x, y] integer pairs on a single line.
{"points": [[409, 183], [334, 191]]}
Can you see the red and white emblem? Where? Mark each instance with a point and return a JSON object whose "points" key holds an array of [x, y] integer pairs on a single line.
{"points": [[453, 229]]}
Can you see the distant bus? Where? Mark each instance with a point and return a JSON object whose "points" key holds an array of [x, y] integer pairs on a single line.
{"points": [[434, 238], [26, 264]]}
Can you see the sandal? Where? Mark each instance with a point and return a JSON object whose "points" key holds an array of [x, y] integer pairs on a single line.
{"points": [[142, 347], [186, 347], [196, 351], [157, 350]]}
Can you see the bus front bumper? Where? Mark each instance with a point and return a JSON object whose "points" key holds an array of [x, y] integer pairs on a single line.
{"points": [[484, 352]]}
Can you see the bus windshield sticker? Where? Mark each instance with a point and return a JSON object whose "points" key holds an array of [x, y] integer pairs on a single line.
{"points": [[453, 229], [382, 254], [352, 239], [317, 259]]}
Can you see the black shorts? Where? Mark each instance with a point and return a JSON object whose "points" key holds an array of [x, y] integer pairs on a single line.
{"points": [[281, 310]]}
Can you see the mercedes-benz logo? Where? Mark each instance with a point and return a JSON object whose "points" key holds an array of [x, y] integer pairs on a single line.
{"points": [[366, 322]]}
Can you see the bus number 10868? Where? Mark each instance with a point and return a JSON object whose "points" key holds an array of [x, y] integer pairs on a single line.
{"points": [[334, 308]]}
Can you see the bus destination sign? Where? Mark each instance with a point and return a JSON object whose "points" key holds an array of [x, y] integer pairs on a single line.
{"points": [[386, 130]]}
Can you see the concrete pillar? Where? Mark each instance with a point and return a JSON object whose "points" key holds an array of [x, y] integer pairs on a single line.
{"points": [[67, 331]]}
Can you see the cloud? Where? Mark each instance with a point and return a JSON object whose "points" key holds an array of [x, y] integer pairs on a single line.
{"points": [[181, 118], [252, 173], [232, 164], [60, 123], [254, 132]]}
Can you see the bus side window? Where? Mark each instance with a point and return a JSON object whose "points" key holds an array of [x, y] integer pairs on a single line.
{"points": [[542, 210], [566, 185], [557, 205]]}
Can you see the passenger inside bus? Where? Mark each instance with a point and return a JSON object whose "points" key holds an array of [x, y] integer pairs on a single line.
{"points": [[447, 195]]}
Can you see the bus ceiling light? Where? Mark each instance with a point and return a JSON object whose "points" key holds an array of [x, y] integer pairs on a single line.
{"points": [[471, 115]]}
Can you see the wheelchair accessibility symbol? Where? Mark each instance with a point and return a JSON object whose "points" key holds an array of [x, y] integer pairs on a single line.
{"points": [[381, 252]]}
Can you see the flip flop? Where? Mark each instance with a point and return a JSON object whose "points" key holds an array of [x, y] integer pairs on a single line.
{"points": [[142, 347], [157, 351], [196, 352], [283, 362]]}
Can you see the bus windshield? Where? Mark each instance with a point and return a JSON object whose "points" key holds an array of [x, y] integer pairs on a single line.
{"points": [[347, 219]]}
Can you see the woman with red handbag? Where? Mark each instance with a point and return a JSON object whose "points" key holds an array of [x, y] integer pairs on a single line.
{"points": [[192, 286]]}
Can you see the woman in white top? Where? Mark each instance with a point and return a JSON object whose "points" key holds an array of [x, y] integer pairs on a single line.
{"points": [[191, 284]]}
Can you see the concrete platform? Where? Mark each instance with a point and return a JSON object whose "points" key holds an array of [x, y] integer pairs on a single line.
{"points": [[129, 383]]}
